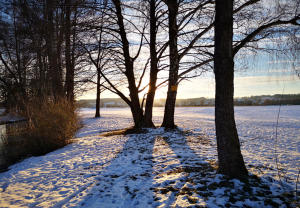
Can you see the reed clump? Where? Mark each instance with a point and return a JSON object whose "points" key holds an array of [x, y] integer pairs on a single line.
{"points": [[51, 125]]}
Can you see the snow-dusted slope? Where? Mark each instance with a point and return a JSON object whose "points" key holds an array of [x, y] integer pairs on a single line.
{"points": [[158, 169]]}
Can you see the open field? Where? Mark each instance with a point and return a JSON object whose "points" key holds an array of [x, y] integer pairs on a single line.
{"points": [[159, 168]]}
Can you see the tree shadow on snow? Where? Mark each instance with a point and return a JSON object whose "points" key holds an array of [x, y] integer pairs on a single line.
{"points": [[127, 180], [189, 171], [168, 169]]}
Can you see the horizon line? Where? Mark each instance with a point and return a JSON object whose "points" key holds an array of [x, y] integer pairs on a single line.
{"points": [[201, 97]]}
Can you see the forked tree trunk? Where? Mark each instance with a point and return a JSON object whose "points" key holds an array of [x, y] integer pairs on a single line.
{"points": [[168, 121], [97, 114], [153, 67], [230, 159], [136, 109]]}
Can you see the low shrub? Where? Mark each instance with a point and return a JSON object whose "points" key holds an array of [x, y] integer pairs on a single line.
{"points": [[52, 124]]}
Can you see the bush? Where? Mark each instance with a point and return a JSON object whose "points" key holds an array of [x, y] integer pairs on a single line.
{"points": [[51, 125]]}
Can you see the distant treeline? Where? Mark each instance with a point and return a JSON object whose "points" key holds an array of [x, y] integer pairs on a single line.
{"points": [[277, 99], [286, 99]]}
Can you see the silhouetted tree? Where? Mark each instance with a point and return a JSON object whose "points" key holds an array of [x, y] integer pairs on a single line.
{"points": [[156, 52], [190, 38], [96, 46], [230, 159], [229, 154]]}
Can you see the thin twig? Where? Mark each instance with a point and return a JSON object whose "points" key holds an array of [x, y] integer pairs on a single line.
{"points": [[276, 135]]}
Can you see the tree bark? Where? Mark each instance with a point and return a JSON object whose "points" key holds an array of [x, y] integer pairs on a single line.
{"points": [[97, 114], [153, 67], [168, 121], [230, 159]]}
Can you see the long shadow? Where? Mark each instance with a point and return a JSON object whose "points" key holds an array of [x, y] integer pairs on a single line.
{"points": [[63, 177], [182, 148], [192, 173], [150, 170], [202, 186], [139, 176], [128, 180]]}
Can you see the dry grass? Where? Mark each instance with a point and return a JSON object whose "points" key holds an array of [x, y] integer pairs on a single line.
{"points": [[51, 125], [126, 131]]}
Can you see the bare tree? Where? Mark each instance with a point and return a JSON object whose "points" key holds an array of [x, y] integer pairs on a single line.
{"points": [[15, 57], [180, 27], [96, 46], [116, 29], [168, 121], [32, 48], [229, 154], [156, 17]]}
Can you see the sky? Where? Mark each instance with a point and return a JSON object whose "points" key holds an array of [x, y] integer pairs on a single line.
{"points": [[255, 74], [261, 75]]}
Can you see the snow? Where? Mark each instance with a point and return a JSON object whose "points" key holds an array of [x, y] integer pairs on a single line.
{"points": [[256, 127], [161, 168]]}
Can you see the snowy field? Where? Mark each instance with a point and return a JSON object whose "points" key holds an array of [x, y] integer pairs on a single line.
{"points": [[162, 169]]}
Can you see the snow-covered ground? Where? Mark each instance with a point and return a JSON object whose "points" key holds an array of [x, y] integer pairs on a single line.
{"points": [[161, 169]]}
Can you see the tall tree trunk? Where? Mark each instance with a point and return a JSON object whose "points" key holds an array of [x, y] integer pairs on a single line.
{"points": [[135, 106], [59, 72], [97, 114], [230, 159], [168, 121], [69, 86], [58, 55], [56, 84], [153, 67]]}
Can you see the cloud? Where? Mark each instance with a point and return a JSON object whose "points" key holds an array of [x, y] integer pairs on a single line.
{"points": [[284, 62], [265, 79]]}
